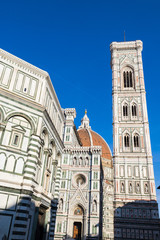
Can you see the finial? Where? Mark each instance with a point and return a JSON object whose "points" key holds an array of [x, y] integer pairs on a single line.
{"points": [[85, 111], [124, 36]]}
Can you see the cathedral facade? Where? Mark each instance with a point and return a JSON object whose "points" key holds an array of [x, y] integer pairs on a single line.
{"points": [[59, 182]]}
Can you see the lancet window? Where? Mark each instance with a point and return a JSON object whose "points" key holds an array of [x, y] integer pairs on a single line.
{"points": [[136, 140], [125, 110], [126, 141], [128, 79], [134, 110]]}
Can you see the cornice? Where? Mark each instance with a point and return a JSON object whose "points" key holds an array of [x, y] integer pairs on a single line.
{"points": [[70, 112], [55, 96], [94, 149], [126, 45], [23, 65], [30, 69], [21, 99]]}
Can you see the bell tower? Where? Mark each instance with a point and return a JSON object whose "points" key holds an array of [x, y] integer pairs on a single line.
{"points": [[134, 192]]}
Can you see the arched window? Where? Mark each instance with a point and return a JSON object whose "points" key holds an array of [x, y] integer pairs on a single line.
{"points": [[125, 110], [128, 78], [125, 79], [136, 141], [134, 110], [126, 141]]}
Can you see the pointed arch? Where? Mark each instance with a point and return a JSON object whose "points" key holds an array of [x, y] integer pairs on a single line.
{"points": [[136, 140], [126, 140], [127, 75], [134, 109], [125, 109], [78, 205]]}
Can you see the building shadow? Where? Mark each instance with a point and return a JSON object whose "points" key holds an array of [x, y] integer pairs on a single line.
{"points": [[24, 220], [137, 220]]}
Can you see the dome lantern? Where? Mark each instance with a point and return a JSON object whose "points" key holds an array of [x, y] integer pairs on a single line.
{"points": [[85, 121]]}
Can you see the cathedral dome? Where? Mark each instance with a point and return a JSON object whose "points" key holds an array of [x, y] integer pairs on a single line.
{"points": [[90, 138]]}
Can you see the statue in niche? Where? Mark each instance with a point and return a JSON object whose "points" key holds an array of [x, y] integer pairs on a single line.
{"points": [[60, 206], [87, 161], [122, 187], [80, 161], [74, 161], [94, 206], [137, 188], [130, 187], [146, 188]]}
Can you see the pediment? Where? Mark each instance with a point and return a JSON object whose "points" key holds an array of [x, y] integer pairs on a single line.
{"points": [[18, 128]]}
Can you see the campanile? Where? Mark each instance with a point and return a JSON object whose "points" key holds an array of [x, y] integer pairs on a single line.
{"points": [[136, 211]]}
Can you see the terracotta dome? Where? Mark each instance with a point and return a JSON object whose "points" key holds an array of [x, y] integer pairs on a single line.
{"points": [[90, 138]]}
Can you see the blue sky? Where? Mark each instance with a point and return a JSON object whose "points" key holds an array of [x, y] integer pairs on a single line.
{"points": [[70, 39]]}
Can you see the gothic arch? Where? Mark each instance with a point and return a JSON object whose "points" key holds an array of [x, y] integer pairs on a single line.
{"points": [[126, 139], [134, 108], [128, 65], [127, 77], [126, 132], [125, 109], [136, 139], [78, 204], [23, 115]]}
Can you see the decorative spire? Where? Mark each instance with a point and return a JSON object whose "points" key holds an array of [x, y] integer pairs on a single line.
{"points": [[85, 121]]}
